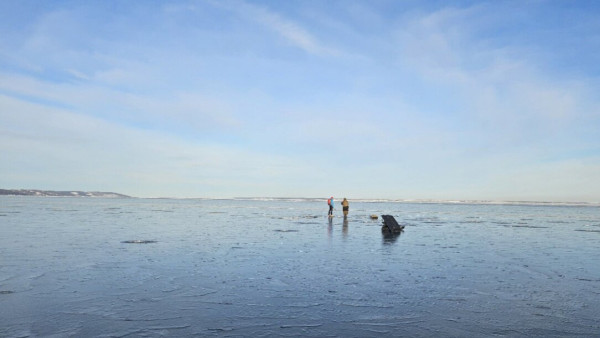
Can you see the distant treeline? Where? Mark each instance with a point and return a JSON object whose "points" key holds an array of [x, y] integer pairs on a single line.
{"points": [[50, 193]]}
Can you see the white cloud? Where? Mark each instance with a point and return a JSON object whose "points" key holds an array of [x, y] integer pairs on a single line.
{"points": [[192, 110], [57, 146], [505, 95], [291, 31]]}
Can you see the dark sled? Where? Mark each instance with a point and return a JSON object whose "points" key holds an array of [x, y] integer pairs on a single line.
{"points": [[390, 225]]}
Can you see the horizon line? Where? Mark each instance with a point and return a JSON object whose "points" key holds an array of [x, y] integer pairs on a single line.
{"points": [[358, 199]]}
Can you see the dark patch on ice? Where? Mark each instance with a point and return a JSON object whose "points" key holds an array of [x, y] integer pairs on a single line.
{"points": [[139, 241], [390, 237], [586, 230], [530, 226], [299, 326], [279, 230], [303, 305], [6, 292], [221, 329]]}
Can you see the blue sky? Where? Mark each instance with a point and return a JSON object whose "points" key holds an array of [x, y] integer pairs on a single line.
{"points": [[365, 99]]}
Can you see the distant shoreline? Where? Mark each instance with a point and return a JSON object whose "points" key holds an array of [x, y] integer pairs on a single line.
{"points": [[52, 193]]}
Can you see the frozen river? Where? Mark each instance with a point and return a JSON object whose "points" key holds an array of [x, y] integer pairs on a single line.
{"points": [[249, 268]]}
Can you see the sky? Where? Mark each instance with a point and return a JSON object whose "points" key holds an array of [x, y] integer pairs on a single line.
{"points": [[445, 100]]}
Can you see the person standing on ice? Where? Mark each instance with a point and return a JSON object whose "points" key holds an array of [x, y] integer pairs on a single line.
{"points": [[345, 207], [330, 203]]}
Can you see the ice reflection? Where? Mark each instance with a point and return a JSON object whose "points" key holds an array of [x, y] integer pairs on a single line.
{"points": [[390, 237], [345, 228]]}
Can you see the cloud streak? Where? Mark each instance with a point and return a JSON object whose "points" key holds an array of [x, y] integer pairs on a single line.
{"points": [[292, 32]]}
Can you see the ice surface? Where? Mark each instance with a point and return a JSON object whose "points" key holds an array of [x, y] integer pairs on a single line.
{"points": [[152, 267]]}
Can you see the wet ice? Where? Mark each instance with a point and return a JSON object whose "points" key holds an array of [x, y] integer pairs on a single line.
{"points": [[282, 268]]}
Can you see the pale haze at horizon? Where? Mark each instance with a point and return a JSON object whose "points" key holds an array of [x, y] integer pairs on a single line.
{"points": [[361, 99]]}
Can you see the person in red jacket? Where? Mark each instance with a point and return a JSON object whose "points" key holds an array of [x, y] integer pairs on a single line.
{"points": [[330, 203]]}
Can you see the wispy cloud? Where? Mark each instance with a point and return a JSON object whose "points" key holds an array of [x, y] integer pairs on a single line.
{"points": [[505, 95], [294, 33], [49, 144]]}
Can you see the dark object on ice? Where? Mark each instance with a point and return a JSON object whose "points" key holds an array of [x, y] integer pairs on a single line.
{"points": [[138, 241], [390, 225]]}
